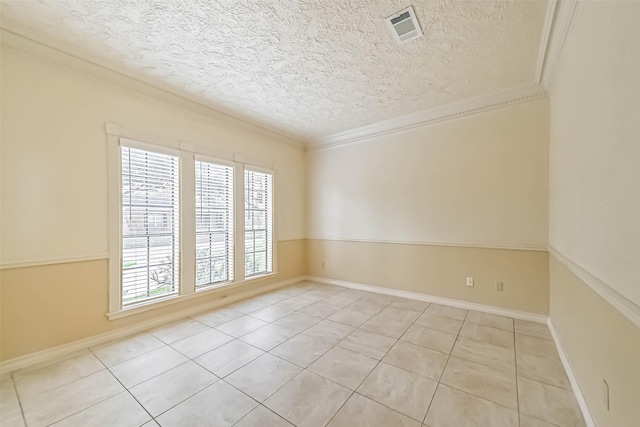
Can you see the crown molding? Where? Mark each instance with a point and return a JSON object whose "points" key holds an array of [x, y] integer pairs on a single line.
{"points": [[431, 116], [552, 6], [16, 42], [564, 11]]}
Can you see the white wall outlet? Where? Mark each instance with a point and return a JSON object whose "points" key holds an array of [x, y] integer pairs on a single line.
{"points": [[469, 281], [605, 394], [499, 286]]}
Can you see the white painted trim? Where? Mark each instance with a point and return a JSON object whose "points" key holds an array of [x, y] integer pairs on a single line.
{"points": [[69, 348], [563, 17], [544, 40], [625, 306], [52, 261], [516, 314], [12, 39], [456, 245], [584, 408], [443, 113]]}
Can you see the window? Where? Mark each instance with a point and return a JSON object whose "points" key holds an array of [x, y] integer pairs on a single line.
{"points": [[150, 225], [214, 224], [258, 211], [176, 223]]}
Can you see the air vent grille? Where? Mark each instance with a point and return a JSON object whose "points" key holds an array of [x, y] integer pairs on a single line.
{"points": [[404, 25]]}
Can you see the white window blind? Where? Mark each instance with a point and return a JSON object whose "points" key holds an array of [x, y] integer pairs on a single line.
{"points": [[258, 210], [150, 225], [214, 224]]}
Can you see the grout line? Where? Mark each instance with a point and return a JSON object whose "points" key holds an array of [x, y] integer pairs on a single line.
{"points": [[15, 389], [515, 355]]}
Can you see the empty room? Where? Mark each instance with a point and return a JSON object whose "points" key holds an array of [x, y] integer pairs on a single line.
{"points": [[320, 213]]}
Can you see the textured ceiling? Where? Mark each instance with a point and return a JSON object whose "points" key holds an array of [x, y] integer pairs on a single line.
{"points": [[305, 68]]}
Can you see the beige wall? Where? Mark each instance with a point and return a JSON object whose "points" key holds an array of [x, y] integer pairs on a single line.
{"points": [[594, 203], [479, 180], [600, 343], [54, 196], [50, 305], [439, 271]]}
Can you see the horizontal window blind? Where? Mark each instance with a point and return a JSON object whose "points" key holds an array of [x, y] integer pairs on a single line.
{"points": [[150, 225], [258, 210], [214, 224]]}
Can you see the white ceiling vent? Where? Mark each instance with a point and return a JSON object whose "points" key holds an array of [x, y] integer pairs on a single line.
{"points": [[404, 25]]}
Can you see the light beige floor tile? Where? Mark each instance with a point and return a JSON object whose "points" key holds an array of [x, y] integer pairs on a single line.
{"points": [[268, 337], [368, 306], [454, 408], [392, 321], [350, 316], [488, 334], [301, 301], [340, 300], [241, 326], [368, 343], [273, 312], [151, 423], [360, 411], [439, 322], [217, 317], [379, 298], [344, 367], [32, 382], [201, 343], [552, 404], [533, 329], [482, 381], [218, 405], [10, 412], [166, 390], [262, 377], [308, 400], [527, 421], [301, 350], [492, 320], [447, 311], [56, 404], [410, 304], [538, 359], [253, 304], [141, 368], [329, 331], [263, 417], [124, 349], [419, 360], [398, 389], [178, 330], [225, 359], [427, 337], [485, 353], [320, 309], [297, 322], [121, 410]]}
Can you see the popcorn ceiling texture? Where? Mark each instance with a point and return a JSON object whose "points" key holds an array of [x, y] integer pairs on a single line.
{"points": [[305, 68]]}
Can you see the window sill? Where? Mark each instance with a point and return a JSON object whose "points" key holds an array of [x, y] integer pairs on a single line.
{"points": [[175, 299]]}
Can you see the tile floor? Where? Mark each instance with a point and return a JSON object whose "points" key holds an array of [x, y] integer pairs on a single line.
{"points": [[308, 355]]}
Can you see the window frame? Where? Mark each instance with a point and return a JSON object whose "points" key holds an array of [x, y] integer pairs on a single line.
{"points": [[273, 242], [187, 154]]}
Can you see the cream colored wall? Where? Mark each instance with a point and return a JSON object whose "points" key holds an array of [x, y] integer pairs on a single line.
{"points": [[438, 270], [594, 154], [479, 181], [54, 163], [600, 343], [54, 196], [594, 203]]}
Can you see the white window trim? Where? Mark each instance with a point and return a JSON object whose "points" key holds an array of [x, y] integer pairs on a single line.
{"points": [[187, 153]]}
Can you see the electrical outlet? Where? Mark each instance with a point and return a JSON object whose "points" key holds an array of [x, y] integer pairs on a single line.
{"points": [[469, 281], [323, 264], [605, 394], [499, 286], [223, 296]]}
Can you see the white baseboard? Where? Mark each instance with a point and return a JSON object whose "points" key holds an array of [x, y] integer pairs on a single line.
{"points": [[516, 314], [572, 378], [54, 353]]}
